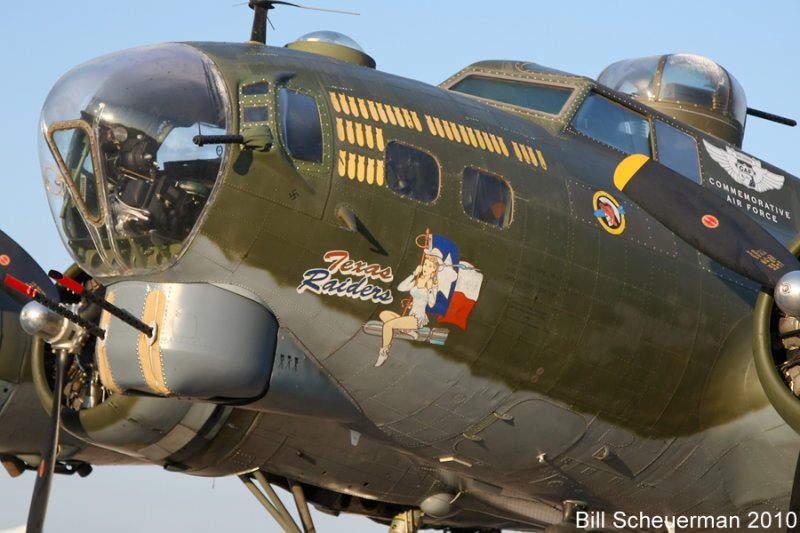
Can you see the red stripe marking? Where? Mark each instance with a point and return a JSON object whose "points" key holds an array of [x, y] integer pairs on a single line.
{"points": [[24, 288], [710, 221], [69, 283]]}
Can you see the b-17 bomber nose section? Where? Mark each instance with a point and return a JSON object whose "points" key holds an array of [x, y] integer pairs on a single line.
{"points": [[206, 343], [126, 184]]}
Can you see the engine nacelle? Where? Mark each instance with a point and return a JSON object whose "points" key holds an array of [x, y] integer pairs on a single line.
{"points": [[208, 343], [192, 437], [773, 354]]}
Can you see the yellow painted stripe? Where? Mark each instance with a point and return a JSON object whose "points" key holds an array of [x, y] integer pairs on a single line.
{"points": [[353, 106], [340, 128], [361, 171], [370, 171], [503, 146], [362, 106], [370, 138], [496, 144], [417, 123], [628, 168], [343, 104], [372, 111], [456, 135], [382, 113], [488, 141], [541, 159], [481, 142], [102, 354], [359, 134], [379, 139], [150, 353], [464, 134], [407, 117], [351, 166], [533, 156], [438, 124], [335, 102], [379, 176], [431, 127], [472, 139], [399, 116], [342, 163], [515, 146], [447, 130], [390, 114], [525, 156]]}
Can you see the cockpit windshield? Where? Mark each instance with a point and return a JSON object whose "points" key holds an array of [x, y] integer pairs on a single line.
{"points": [[126, 183]]}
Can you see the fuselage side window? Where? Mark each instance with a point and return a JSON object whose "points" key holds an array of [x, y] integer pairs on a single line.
{"points": [[254, 103], [677, 150], [411, 172], [486, 197], [613, 124], [260, 87], [301, 125]]}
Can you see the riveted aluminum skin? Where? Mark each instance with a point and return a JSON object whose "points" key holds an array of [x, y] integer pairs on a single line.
{"points": [[209, 342]]}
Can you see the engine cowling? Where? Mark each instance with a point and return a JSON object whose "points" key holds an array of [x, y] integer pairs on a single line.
{"points": [[189, 436], [193, 437], [208, 343], [770, 353]]}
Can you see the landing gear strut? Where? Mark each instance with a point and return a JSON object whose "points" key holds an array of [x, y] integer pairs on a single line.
{"points": [[406, 522], [269, 499], [403, 522]]}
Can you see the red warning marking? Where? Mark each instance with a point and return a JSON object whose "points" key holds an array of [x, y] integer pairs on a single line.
{"points": [[710, 221], [5, 260]]}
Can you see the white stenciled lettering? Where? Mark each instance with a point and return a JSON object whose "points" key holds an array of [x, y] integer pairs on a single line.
{"points": [[320, 281], [752, 203], [355, 285]]}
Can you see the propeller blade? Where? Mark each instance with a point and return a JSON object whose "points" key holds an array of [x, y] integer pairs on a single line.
{"points": [[41, 489], [704, 220], [14, 260]]}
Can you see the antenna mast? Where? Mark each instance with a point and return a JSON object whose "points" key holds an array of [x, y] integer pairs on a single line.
{"points": [[260, 17], [260, 9]]}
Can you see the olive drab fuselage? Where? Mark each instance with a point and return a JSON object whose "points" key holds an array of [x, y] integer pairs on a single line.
{"points": [[541, 336]]}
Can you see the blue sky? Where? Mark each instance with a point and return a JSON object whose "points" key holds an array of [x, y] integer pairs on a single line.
{"points": [[426, 40]]}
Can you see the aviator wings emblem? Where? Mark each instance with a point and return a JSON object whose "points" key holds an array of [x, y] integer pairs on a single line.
{"points": [[744, 169]]}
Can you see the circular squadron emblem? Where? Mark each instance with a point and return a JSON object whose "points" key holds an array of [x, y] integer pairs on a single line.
{"points": [[609, 213]]}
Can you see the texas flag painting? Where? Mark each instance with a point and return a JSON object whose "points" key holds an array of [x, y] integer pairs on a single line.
{"points": [[465, 294], [459, 284]]}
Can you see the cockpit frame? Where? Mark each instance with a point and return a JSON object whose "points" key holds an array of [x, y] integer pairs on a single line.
{"points": [[522, 73]]}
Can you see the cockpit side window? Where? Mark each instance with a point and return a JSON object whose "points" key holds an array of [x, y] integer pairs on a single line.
{"points": [[538, 97], [677, 150], [301, 125], [613, 124], [486, 197], [411, 172]]}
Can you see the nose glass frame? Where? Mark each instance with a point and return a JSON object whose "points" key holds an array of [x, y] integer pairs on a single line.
{"points": [[73, 177]]}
